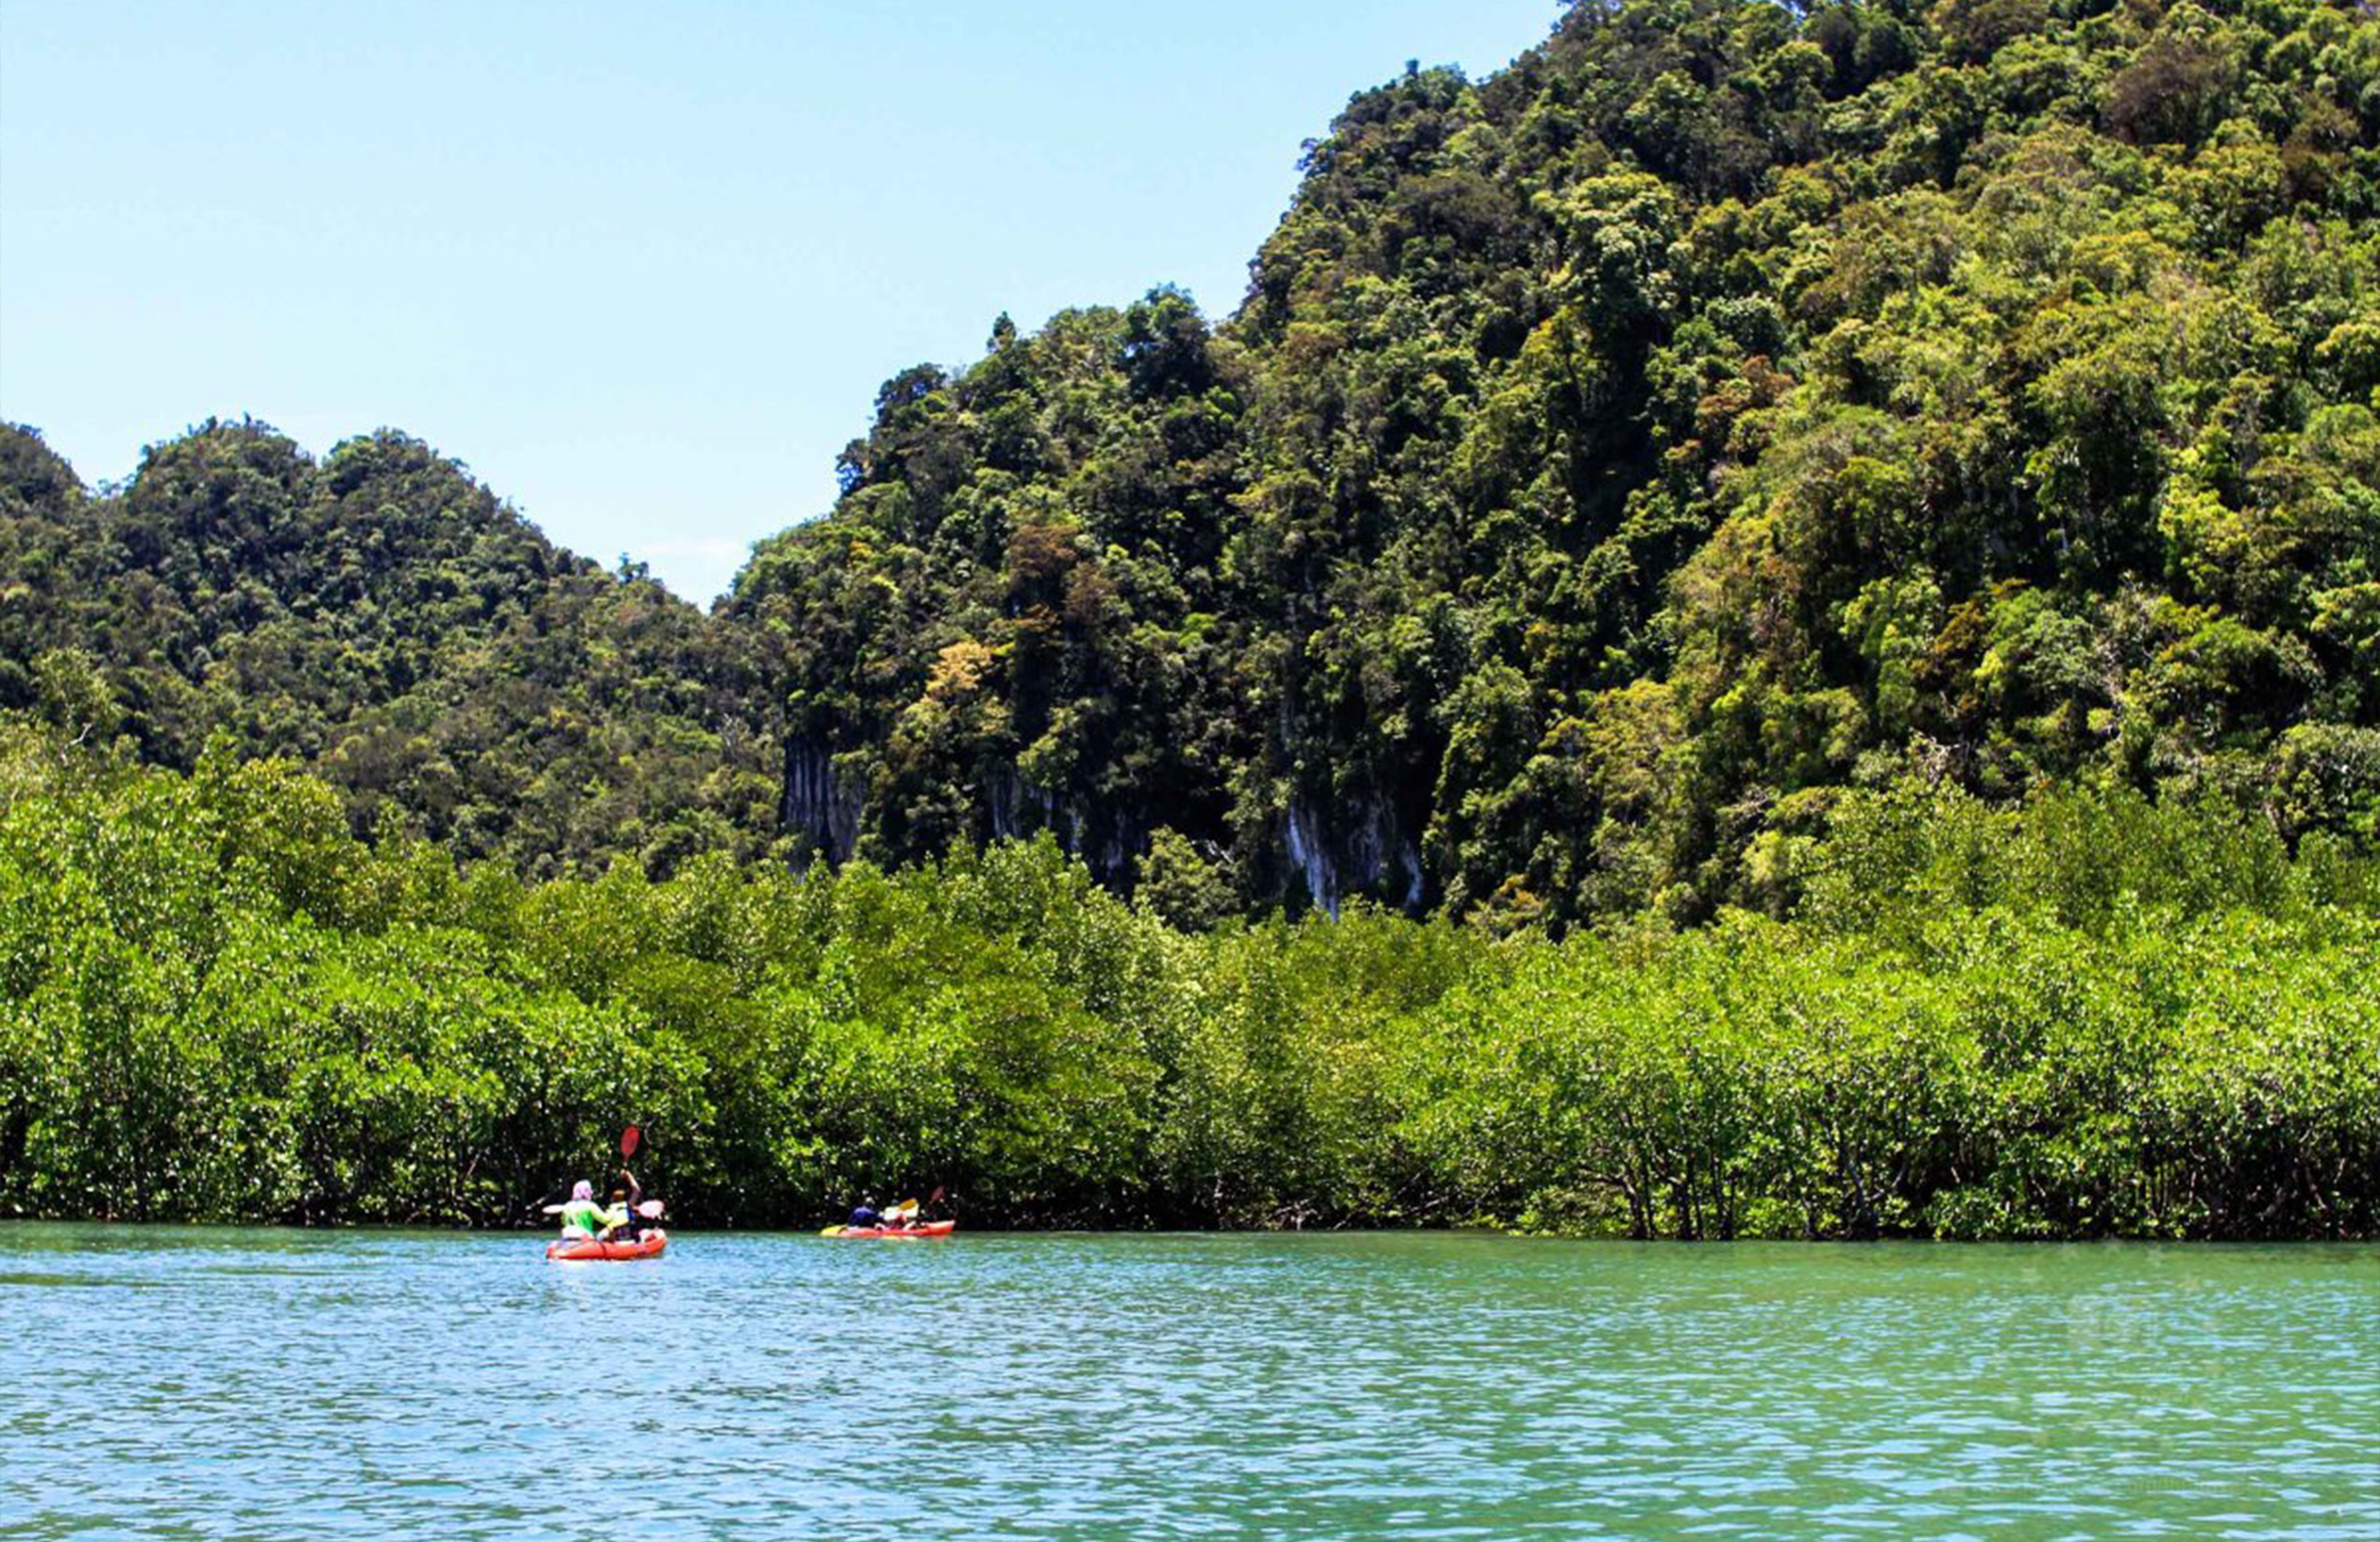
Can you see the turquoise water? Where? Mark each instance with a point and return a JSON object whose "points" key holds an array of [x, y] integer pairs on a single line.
{"points": [[284, 1385]]}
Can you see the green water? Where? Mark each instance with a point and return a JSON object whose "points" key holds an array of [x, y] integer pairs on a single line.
{"points": [[219, 1383]]}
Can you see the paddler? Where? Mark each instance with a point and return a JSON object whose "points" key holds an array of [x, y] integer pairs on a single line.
{"points": [[582, 1215], [618, 1216], [630, 1205]]}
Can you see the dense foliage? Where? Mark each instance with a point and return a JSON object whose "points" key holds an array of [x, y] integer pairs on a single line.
{"points": [[1613, 460], [381, 616], [1810, 578], [1617, 458], [2095, 1016]]}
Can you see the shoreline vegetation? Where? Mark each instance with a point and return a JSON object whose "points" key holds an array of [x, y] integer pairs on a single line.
{"points": [[2091, 1017]]}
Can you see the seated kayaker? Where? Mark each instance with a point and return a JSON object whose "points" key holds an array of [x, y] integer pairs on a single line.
{"points": [[616, 1216], [863, 1215], [582, 1217]]}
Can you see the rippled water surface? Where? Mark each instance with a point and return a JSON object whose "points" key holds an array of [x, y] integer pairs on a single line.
{"points": [[215, 1383]]}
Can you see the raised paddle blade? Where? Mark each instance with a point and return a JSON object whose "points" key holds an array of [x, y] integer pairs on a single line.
{"points": [[650, 1209], [628, 1138]]}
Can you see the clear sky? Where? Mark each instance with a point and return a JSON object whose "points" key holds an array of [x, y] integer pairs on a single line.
{"points": [[641, 266]]}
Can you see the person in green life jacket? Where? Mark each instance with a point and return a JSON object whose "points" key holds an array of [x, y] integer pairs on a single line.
{"points": [[582, 1215]]}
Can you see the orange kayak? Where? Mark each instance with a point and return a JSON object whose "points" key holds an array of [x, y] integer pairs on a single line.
{"points": [[892, 1233], [576, 1250]]}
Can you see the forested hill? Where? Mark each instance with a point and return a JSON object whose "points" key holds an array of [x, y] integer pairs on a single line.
{"points": [[381, 616], [1616, 456], [1612, 461]]}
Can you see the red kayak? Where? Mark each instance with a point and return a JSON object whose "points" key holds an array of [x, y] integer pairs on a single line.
{"points": [[892, 1233], [576, 1250]]}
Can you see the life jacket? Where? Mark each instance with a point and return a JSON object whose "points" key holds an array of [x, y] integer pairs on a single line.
{"points": [[584, 1214]]}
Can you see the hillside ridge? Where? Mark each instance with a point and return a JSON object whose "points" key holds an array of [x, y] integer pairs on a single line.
{"points": [[1613, 460]]}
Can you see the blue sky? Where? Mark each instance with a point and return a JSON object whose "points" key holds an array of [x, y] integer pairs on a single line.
{"points": [[641, 266]]}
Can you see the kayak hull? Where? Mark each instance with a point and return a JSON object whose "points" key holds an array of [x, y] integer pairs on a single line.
{"points": [[574, 1250], [892, 1233]]}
